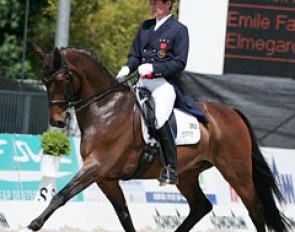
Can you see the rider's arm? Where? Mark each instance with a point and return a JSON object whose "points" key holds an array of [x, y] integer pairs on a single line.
{"points": [[134, 54]]}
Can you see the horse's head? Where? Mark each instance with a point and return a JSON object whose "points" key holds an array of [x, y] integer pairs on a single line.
{"points": [[59, 84], [73, 77]]}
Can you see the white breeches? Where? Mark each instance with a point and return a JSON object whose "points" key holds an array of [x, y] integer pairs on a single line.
{"points": [[164, 96]]}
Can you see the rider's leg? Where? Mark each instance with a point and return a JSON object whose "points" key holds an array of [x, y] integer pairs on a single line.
{"points": [[168, 146], [164, 96]]}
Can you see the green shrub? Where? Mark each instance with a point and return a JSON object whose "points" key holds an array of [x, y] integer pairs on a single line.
{"points": [[55, 143]]}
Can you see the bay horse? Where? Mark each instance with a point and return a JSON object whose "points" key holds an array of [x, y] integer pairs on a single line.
{"points": [[112, 144]]}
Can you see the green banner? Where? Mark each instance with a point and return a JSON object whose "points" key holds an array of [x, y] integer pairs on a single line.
{"points": [[20, 176]]}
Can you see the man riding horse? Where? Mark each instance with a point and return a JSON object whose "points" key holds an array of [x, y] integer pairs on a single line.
{"points": [[159, 53]]}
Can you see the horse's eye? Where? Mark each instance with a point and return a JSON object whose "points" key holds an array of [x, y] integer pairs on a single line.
{"points": [[60, 77]]}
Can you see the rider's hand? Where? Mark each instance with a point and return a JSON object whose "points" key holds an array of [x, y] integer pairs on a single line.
{"points": [[145, 69], [123, 72]]}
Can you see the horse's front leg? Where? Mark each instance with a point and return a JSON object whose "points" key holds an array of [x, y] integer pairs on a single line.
{"points": [[86, 176], [114, 193]]}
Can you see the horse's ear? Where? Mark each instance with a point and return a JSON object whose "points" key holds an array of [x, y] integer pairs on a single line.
{"points": [[57, 60], [38, 50]]}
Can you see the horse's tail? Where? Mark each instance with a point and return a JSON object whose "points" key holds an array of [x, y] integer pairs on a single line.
{"points": [[266, 186]]}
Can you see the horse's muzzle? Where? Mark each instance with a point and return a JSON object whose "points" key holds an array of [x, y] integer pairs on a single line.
{"points": [[58, 117], [59, 124]]}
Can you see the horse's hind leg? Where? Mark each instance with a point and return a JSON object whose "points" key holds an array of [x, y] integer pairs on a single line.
{"points": [[198, 203], [85, 177], [239, 175], [252, 203], [114, 193]]}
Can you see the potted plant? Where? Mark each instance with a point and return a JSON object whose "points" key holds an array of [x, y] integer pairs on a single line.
{"points": [[54, 144]]}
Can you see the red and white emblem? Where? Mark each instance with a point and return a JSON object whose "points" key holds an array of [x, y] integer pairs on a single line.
{"points": [[163, 45]]}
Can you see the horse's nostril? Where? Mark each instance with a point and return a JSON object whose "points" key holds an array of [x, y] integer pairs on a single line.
{"points": [[60, 124]]}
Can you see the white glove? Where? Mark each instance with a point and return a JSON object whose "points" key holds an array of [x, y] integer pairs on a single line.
{"points": [[145, 69], [123, 72]]}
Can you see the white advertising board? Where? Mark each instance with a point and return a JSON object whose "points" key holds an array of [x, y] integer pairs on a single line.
{"points": [[151, 206], [206, 22]]}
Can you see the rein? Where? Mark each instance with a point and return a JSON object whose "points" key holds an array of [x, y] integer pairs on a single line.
{"points": [[93, 98]]}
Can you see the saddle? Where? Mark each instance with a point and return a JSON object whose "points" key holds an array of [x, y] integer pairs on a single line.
{"points": [[188, 134]]}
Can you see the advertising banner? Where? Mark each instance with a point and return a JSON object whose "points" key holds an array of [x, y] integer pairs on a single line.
{"points": [[151, 206], [20, 176]]}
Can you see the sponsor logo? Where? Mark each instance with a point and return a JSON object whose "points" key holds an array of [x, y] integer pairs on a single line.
{"points": [[165, 197], [3, 221], [187, 134], [228, 222], [285, 182], [172, 198], [168, 222], [20, 176]]}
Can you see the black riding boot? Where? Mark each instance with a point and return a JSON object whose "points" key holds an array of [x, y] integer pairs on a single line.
{"points": [[166, 140]]}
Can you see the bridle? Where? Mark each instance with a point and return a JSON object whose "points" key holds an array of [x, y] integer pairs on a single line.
{"points": [[64, 69], [80, 104]]}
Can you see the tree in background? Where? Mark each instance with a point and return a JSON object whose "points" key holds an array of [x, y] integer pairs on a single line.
{"points": [[11, 12], [11, 36], [104, 27], [109, 29]]}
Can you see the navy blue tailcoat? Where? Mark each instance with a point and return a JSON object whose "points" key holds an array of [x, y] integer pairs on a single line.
{"points": [[167, 49]]}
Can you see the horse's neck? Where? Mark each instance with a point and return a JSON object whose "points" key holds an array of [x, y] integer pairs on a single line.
{"points": [[117, 106], [94, 82], [92, 75], [94, 79]]}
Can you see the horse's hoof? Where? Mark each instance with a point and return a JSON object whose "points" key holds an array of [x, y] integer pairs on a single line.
{"points": [[35, 225]]}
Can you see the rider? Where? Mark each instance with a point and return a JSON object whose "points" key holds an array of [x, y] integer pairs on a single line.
{"points": [[159, 52]]}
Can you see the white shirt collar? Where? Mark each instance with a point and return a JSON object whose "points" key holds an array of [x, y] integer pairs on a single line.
{"points": [[160, 22]]}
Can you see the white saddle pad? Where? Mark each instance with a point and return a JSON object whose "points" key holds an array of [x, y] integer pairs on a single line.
{"points": [[188, 130]]}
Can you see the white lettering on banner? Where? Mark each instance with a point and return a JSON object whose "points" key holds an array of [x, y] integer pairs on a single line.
{"points": [[228, 222], [168, 221], [2, 142], [26, 153], [3, 221], [168, 197], [7, 195]]}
